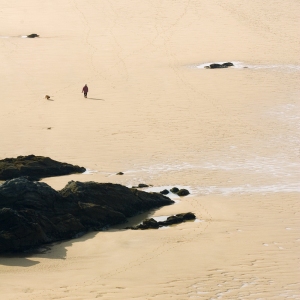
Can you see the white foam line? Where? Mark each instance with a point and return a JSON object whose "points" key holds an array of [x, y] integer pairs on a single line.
{"points": [[160, 218], [198, 221], [163, 227], [242, 65], [246, 189], [89, 172], [174, 197], [276, 166], [243, 189]]}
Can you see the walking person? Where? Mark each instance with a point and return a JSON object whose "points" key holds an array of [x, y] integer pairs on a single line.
{"points": [[85, 90]]}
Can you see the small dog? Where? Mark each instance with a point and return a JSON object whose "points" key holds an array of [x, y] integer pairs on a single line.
{"points": [[47, 97]]}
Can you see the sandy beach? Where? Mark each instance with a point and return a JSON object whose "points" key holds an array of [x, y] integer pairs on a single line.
{"points": [[230, 136]]}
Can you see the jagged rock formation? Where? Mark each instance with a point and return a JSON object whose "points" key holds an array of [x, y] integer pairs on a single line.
{"points": [[153, 224], [36, 167], [32, 213]]}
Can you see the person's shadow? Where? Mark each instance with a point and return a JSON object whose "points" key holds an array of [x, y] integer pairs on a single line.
{"points": [[95, 99]]}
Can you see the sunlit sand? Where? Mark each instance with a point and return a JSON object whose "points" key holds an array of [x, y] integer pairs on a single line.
{"points": [[231, 136]]}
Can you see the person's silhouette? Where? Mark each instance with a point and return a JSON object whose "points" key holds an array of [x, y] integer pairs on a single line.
{"points": [[85, 90]]}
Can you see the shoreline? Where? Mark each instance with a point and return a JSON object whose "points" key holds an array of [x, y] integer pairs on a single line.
{"points": [[231, 135]]}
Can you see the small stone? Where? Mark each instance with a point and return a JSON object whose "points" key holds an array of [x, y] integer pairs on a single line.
{"points": [[120, 173], [183, 192], [165, 192], [174, 190], [228, 64], [142, 185], [187, 216]]}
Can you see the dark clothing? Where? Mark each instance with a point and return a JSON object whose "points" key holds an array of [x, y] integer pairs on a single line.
{"points": [[85, 90]]}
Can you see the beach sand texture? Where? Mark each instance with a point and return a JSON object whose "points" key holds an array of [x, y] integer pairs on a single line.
{"points": [[230, 136]]}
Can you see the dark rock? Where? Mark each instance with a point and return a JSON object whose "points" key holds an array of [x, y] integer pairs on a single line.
{"points": [[174, 190], [120, 173], [228, 64], [165, 192], [187, 216], [33, 35], [215, 66], [173, 220], [179, 218], [183, 192], [32, 213], [35, 166], [31, 178], [153, 224], [148, 224], [142, 185], [219, 66]]}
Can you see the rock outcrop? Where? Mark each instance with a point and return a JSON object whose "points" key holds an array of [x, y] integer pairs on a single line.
{"points": [[153, 224], [219, 66], [33, 35], [32, 213], [36, 167]]}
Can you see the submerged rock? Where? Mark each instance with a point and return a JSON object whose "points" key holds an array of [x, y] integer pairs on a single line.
{"points": [[36, 167], [32, 213]]}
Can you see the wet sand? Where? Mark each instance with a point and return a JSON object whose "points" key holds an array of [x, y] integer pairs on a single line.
{"points": [[153, 112]]}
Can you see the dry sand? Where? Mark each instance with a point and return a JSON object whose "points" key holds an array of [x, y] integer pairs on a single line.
{"points": [[231, 136]]}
